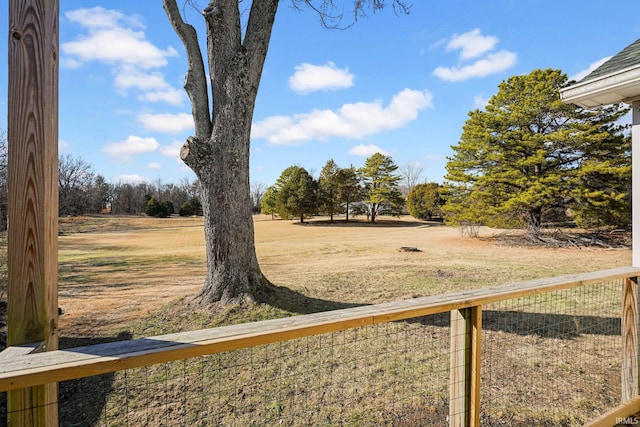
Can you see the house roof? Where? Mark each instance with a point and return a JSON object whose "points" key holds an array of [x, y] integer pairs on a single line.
{"points": [[616, 80]]}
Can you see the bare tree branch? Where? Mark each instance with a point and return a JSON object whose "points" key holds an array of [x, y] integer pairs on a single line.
{"points": [[332, 18], [196, 80], [256, 42]]}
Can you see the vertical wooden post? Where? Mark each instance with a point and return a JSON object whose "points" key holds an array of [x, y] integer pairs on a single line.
{"points": [[33, 196], [630, 312], [630, 356], [464, 384], [635, 180]]}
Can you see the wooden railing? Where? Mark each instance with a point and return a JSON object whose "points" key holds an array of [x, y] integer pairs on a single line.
{"points": [[20, 370]]}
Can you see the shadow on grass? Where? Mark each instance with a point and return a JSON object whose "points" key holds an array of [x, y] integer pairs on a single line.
{"points": [[380, 223], [80, 402], [543, 325], [294, 302]]}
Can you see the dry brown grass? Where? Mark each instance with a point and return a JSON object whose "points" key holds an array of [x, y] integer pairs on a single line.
{"points": [[114, 271], [130, 277]]}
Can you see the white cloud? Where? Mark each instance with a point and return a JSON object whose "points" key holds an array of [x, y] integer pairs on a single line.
{"points": [[172, 150], [493, 63], [475, 46], [112, 38], [169, 95], [70, 63], [169, 123], [152, 84], [124, 151], [63, 146], [471, 44], [309, 78], [480, 102], [367, 150], [154, 165], [119, 41], [132, 179], [582, 74], [98, 17], [354, 121]]}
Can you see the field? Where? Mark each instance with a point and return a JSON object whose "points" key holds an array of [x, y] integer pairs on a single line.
{"points": [[115, 271], [130, 277]]}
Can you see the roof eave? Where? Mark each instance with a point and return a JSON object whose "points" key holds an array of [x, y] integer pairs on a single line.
{"points": [[621, 86]]}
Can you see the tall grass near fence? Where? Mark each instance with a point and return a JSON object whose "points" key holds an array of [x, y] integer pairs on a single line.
{"points": [[551, 355]]}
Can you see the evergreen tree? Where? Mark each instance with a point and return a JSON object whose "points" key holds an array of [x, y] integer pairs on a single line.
{"points": [[424, 201], [529, 154], [381, 186], [328, 196], [349, 188], [297, 193], [268, 202]]}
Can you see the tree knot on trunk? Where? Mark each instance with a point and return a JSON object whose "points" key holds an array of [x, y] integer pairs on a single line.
{"points": [[194, 153]]}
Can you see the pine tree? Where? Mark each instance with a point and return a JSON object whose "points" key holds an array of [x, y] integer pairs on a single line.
{"points": [[424, 201], [381, 185], [328, 195], [349, 188], [528, 155], [297, 193]]}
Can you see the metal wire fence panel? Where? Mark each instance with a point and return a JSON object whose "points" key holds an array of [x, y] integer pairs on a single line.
{"points": [[390, 374], [553, 358], [547, 359]]}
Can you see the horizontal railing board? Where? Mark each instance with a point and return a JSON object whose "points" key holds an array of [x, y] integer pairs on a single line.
{"points": [[620, 415], [62, 365]]}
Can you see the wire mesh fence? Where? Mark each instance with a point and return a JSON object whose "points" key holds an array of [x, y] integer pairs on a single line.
{"points": [[547, 359], [552, 358], [389, 374]]}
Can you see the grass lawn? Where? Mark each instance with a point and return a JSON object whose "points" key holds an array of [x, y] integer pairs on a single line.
{"points": [[127, 277], [115, 271]]}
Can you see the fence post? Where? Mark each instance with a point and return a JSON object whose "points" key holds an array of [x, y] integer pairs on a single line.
{"points": [[32, 291], [465, 358], [630, 330]]}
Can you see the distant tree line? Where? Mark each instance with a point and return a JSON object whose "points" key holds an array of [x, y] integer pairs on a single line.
{"points": [[371, 190], [83, 192], [524, 160]]}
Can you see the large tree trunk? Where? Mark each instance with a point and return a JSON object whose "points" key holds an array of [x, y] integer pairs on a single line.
{"points": [[233, 273], [219, 151]]}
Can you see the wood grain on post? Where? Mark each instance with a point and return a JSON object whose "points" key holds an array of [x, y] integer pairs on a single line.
{"points": [[464, 370], [33, 196], [630, 339]]}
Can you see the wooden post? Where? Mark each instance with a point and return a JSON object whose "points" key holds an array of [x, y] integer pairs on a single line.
{"points": [[464, 384], [630, 339], [33, 196], [635, 181]]}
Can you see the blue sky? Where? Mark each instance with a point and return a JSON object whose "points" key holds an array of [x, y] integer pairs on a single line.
{"points": [[401, 85]]}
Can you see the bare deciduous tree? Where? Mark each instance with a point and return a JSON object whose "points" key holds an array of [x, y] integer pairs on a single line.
{"points": [[75, 178], [257, 192], [218, 152], [410, 174]]}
